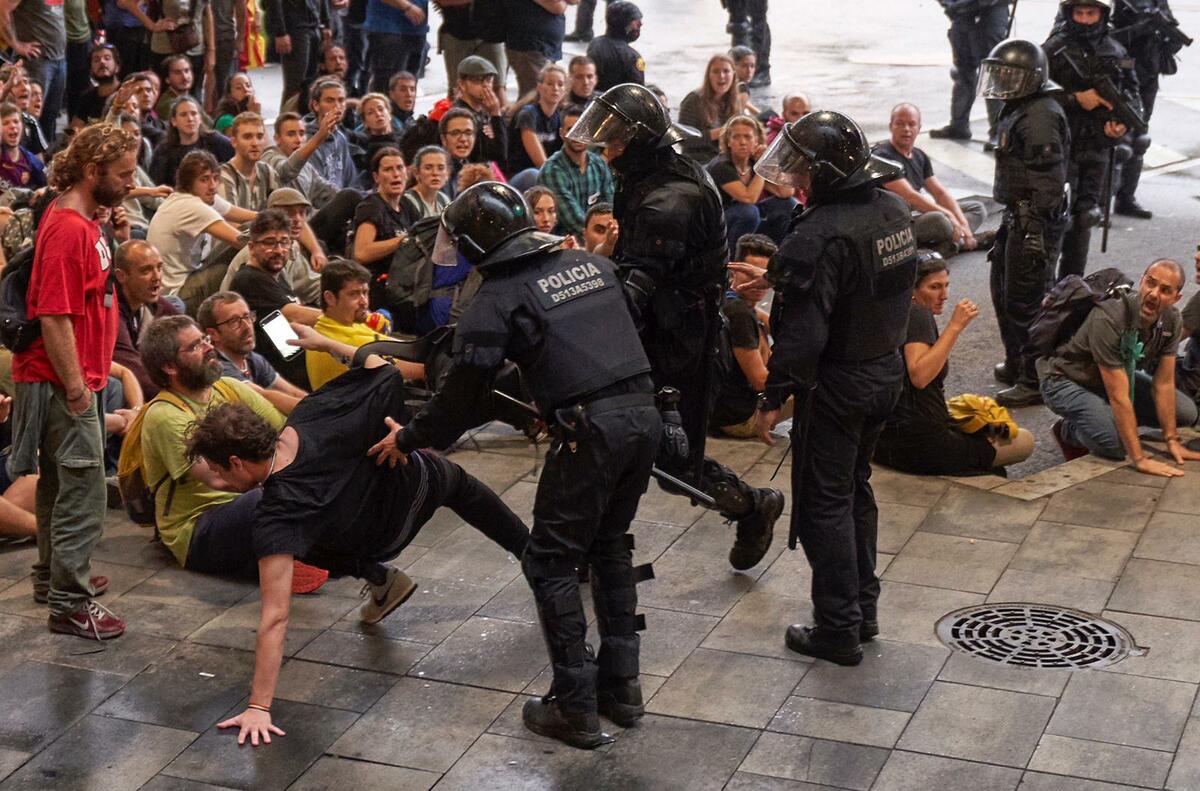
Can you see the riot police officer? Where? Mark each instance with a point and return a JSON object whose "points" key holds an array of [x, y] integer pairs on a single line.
{"points": [[561, 316], [975, 27], [616, 60], [1150, 33], [672, 257], [1031, 172], [1081, 52], [748, 27], [844, 277]]}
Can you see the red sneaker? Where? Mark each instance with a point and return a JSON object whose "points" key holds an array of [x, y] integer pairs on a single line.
{"points": [[1069, 451], [89, 620], [306, 578], [98, 582]]}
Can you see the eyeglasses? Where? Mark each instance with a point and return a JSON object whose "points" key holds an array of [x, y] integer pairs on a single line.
{"points": [[203, 340], [460, 133], [245, 318], [286, 241]]}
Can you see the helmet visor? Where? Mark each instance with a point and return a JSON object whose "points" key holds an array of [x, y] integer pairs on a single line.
{"points": [[601, 125], [785, 164], [1002, 81], [445, 250]]}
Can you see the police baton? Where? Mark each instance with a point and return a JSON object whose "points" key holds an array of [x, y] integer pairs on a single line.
{"points": [[1012, 18]]}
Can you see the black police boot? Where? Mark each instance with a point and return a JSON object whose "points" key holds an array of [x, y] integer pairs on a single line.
{"points": [[579, 37], [1005, 373], [950, 132], [546, 718], [1131, 208], [761, 78], [755, 531], [1020, 394], [620, 700], [868, 630], [841, 649]]}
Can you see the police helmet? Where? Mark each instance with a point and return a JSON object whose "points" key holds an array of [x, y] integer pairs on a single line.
{"points": [[1015, 68], [1065, 8], [489, 223], [619, 16], [830, 149], [625, 114]]}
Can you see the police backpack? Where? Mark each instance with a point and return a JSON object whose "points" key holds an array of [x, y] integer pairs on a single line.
{"points": [[410, 275], [17, 330], [1069, 302]]}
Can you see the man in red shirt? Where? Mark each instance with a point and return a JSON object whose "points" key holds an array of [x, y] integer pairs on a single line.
{"points": [[58, 423]]}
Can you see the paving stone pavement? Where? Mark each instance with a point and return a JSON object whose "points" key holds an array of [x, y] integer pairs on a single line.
{"points": [[431, 697]]}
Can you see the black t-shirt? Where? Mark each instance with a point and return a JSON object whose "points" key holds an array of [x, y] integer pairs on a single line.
{"points": [[921, 411], [916, 169], [489, 20], [333, 503], [737, 399], [90, 105], [531, 28], [724, 171], [544, 127], [388, 223], [264, 293]]}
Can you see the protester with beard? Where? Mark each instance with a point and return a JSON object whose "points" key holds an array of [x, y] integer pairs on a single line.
{"points": [[105, 68], [193, 512], [302, 270], [140, 297], [578, 177], [616, 62], [57, 422], [228, 321]]}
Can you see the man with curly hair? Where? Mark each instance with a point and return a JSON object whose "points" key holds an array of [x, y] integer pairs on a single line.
{"points": [[57, 419]]}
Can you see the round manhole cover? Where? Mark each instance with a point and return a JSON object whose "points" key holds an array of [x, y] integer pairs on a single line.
{"points": [[1036, 635]]}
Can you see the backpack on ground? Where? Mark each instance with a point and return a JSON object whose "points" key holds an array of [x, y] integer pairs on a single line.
{"points": [[136, 494], [410, 275], [1068, 303], [17, 330]]}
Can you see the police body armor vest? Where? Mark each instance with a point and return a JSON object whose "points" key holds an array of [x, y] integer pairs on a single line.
{"points": [[587, 338], [1015, 156], [869, 318]]}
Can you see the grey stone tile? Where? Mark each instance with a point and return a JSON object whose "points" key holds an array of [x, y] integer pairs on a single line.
{"points": [[908, 613], [308, 616], [711, 536], [1170, 537], [1036, 781], [515, 602], [498, 471], [1058, 478], [897, 523], [330, 773], [1174, 647], [16, 561], [1051, 588], [658, 506], [948, 723], [975, 514], [125, 657], [1089, 552], [98, 752], [436, 609], [18, 599], [815, 760], [789, 576], [892, 676], [915, 772], [365, 652], [332, 686], [441, 524], [168, 783], [468, 556], [215, 757], [1132, 477], [134, 549], [1115, 506], [1152, 587], [694, 582], [422, 725], [1185, 772], [699, 755], [735, 689], [756, 625], [174, 586], [745, 781], [840, 722], [10, 761], [488, 652], [955, 562], [189, 689], [162, 620], [502, 762], [1180, 496], [1126, 710], [651, 539], [42, 700], [669, 637], [964, 669], [896, 487], [1098, 761]]}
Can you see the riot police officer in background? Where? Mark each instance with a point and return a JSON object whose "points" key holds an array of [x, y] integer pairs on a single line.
{"points": [[1081, 52], [975, 27], [561, 316], [843, 281], [672, 257], [748, 27], [1033, 145], [616, 60], [1150, 33]]}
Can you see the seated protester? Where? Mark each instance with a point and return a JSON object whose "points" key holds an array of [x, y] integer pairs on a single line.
{"points": [[380, 224], [346, 318], [333, 157], [477, 95], [752, 204], [238, 97], [616, 61], [544, 205], [184, 136], [581, 72], [318, 496], [262, 284], [749, 339], [1117, 372], [375, 132], [709, 108], [19, 168], [600, 230], [144, 199], [193, 508], [425, 198], [1187, 378], [105, 65], [402, 93], [302, 270], [534, 134], [939, 222], [795, 106], [920, 437], [15, 87], [136, 96], [745, 63], [578, 177], [246, 180], [17, 497], [137, 267], [177, 69], [188, 222], [229, 323], [457, 130]]}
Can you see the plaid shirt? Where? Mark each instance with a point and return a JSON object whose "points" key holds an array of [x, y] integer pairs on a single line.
{"points": [[576, 192]]}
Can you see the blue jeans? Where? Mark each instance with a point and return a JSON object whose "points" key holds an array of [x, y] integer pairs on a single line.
{"points": [[524, 180], [52, 76], [1088, 418]]}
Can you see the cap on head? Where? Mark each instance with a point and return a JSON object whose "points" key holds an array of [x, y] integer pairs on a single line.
{"points": [[286, 196], [475, 66]]}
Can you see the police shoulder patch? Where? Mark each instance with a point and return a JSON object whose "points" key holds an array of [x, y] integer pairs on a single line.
{"points": [[640, 65], [570, 283]]}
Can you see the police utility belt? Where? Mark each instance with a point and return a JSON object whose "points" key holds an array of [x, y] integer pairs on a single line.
{"points": [[571, 424]]}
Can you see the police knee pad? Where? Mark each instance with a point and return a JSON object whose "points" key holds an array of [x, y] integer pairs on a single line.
{"points": [[1123, 153], [1141, 144], [1087, 218]]}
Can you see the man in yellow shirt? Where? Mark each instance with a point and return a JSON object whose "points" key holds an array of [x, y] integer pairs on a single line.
{"points": [[347, 318]]}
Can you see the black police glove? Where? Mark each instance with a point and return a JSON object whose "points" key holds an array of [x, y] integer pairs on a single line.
{"points": [[674, 444], [1034, 245], [639, 287]]}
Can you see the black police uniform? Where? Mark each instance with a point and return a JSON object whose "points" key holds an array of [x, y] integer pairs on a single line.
{"points": [[1033, 144], [616, 61], [562, 317], [843, 277], [1096, 53], [976, 26], [748, 27]]}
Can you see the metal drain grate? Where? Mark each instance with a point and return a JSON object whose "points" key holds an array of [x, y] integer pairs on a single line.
{"points": [[1036, 635]]}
